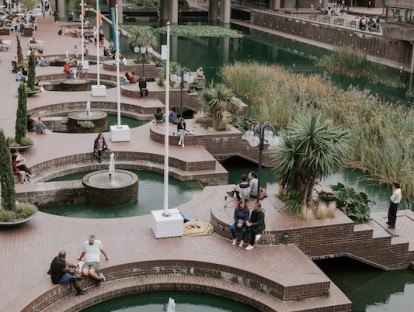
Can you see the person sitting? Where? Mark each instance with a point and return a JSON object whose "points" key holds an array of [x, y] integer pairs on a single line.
{"points": [[241, 215], [159, 115], [99, 146], [181, 130], [21, 164], [39, 84], [122, 60], [256, 224], [62, 272], [172, 117], [143, 87], [17, 172], [254, 184], [41, 127], [242, 190], [42, 62], [200, 72], [20, 75], [133, 78], [66, 68], [32, 40], [30, 122]]}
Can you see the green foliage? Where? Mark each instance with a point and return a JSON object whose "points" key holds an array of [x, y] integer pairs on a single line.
{"points": [[355, 205], [242, 123], [293, 203], [196, 87], [28, 5], [21, 126], [7, 215], [25, 141], [32, 72], [20, 58], [217, 100], [311, 149], [377, 145], [8, 193], [347, 62], [25, 210], [141, 36], [86, 124], [200, 31]]}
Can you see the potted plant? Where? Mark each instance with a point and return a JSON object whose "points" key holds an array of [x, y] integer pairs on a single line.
{"points": [[20, 58], [20, 141], [11, 213]]}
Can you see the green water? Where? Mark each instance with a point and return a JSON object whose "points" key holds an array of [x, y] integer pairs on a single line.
{"points": [[150, 197], [157, 302]]}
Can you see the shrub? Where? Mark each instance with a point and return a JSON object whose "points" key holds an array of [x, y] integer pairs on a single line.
{"points": [[8, 192], [25, 210], [6, 215], [21, 119], [355, 205]]}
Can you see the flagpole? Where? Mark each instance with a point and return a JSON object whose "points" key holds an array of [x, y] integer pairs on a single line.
{"points": [[98, 17], [166, 126], [118, 91], [82, 18]]}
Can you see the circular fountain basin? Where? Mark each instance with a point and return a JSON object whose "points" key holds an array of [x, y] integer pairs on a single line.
{"points": [[75, 85], [103, 190], [97, 118]]}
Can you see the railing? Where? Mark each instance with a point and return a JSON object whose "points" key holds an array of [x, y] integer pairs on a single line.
{"points": [[241, 4]]}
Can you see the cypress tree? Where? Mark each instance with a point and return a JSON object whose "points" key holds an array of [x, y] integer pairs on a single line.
{"points": [[20, 58], [21, 125], [32, 72], [8, 193]]}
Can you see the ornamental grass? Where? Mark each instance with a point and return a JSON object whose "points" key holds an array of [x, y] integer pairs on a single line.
{"points": [[382, 141]]}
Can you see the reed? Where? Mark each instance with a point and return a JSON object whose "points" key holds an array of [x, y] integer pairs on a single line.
{"points": [[382, 133]]}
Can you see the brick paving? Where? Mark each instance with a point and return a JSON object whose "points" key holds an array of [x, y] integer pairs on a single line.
{"points": [[26, 251]]}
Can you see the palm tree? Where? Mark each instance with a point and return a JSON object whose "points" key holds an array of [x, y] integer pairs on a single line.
{"points": [[141, 37], [311, 149], [217, 100]]}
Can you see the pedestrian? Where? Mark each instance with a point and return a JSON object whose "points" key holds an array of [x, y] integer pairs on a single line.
{"points": [[92, 248], [62, 272], [255, 224], [395, 200]]}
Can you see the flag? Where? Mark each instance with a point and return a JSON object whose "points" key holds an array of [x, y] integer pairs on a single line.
{"points": [[98, 14]]}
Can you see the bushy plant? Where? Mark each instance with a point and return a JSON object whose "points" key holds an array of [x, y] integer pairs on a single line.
{"points": [[32, 72], [25, 210], [20, 58], [354, 204], [200, 31]]}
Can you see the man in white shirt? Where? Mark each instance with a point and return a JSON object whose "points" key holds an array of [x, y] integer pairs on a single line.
{"points": [[254, 184], [91, 251], [395, 200]]}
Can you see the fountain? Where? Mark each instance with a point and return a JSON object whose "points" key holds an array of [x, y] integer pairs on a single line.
{"points": [[119, 188], [87, 121], [171, 305]]}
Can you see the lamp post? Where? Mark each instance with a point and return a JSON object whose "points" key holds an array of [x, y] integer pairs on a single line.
{"points": [[143, 49], [185, 76], [258, 135]]}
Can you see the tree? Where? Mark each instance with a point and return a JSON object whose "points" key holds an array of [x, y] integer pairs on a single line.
{"points": [[20, 58], [28, 5], [141, 37], [21, 115], [8, 193], [217, 100], [311, 149], [32, 72]]}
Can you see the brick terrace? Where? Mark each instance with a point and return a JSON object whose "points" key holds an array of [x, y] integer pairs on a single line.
{"points": [[274, 272]]}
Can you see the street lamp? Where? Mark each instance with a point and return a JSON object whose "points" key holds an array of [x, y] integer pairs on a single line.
{"points": [[185, 76], [143, 50], [258, 135]]}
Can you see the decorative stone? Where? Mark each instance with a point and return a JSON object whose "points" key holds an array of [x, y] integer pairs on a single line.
{"points": [[103, 190], [120, 133], [167, 226], [98, 119]]}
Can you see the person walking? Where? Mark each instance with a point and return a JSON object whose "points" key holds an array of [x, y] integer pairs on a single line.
{"points": [[62, 272], [92, 248], [255, 224], [395, 200]]}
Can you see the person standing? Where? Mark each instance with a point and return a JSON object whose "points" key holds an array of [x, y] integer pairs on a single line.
{"points": [[181, 129], [255, 224], [60, 273], [395, 200], [92, 248]]}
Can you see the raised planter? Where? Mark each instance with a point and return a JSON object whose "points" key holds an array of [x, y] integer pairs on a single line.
{"points": [[17, 223], [4, 31], [20, 148]]}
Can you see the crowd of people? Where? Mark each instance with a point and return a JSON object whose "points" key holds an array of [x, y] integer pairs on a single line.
{"points": [[367, 23]]}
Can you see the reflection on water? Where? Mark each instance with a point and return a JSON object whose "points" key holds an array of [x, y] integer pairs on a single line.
{"points": [[157, 302], [370, 289]]}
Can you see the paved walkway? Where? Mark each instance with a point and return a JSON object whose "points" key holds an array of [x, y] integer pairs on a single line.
{"points": [[26, 251]]}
